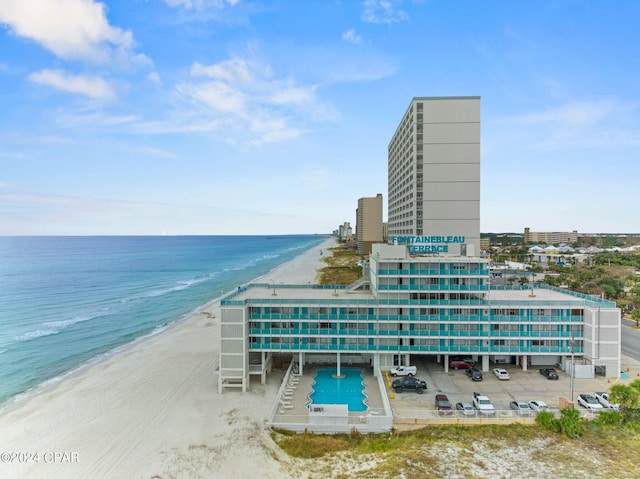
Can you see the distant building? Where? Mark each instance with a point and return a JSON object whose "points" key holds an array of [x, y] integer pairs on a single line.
{"points": [[550, 237], [485, 243], [344, 231], [369, 223], [434, 173]]}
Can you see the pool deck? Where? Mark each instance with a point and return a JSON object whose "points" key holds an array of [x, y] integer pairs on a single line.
{"points": [[296, 396]]}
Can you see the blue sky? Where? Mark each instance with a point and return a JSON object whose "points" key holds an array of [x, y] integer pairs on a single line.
{"points": [[274, 116]]}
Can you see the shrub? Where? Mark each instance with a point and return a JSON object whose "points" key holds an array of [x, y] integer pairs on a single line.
{"points": [[608, 418], [547, 420], [570, 422]]}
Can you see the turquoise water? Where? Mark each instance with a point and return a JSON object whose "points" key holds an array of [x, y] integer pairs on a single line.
{"points": [[65, 301], [348, 390]]}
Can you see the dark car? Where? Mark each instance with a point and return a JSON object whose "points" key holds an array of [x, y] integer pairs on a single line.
{"points": [[474, 373], [443, 405], [549, 373], [457, 363], [409, 382]]}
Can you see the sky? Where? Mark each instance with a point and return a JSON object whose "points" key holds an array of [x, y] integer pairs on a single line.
{"points": [[217, 117]]}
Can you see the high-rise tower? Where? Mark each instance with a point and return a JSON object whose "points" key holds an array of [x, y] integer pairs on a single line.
{"points": [[434, 176]]}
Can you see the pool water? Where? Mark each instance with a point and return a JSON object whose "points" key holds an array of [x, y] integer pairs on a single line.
{"points": [[349, 390]]}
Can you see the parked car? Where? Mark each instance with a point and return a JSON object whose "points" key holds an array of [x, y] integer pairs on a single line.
{"points": [[474, 374], [403, 371], [521, 408], [501, 374], [549, 373], [589, 402], [483, 404], [409, 382], [443, 405], [465, 408], [603, 398], [461, 363], [538, 406]]}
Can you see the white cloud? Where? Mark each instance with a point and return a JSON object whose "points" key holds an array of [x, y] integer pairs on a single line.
{"points": [[246, 97], [351, 36], [153, 77], [578, 113], [71, 29], [201, 4], [382, 11], [158, 152], [94, 87]]}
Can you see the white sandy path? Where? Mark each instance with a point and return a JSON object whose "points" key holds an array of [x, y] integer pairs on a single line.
{"points": [[153, 410]]}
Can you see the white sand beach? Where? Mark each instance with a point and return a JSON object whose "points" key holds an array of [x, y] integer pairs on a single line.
{"points": [[152, 410]]}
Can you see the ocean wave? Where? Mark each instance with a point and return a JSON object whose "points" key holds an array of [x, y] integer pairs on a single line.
{"points": [[252, 262], [38, 333], [178, 287], [55, 327]]}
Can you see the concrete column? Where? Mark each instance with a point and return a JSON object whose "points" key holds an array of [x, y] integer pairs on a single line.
{"points": [[446, 363], [301, 362], [338, 371], [524, 363], [407, 359], [485, 362], [376, 364]]}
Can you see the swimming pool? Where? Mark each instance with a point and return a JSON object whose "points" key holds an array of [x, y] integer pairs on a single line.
{"points": [[348, 390]]}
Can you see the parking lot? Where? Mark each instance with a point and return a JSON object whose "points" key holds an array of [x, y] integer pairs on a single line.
{"points": [[525, 386]]}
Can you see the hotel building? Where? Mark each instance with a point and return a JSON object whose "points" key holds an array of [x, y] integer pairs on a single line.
{"points": [[434, 170], [369, 223], [427, 293], [550, 237]]}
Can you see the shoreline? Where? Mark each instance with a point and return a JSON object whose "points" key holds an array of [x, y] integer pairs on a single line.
{"points": [[151, 407], [15, 400]]}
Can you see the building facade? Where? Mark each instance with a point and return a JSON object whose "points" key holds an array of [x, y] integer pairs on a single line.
{"points": [[369, 223], [344, 231], [552, 237], [434, 171], [427, 292], [432, 306]]}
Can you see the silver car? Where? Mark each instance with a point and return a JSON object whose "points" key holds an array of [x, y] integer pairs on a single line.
{"points": [[538, 406], [521, 408], [465, 409]]}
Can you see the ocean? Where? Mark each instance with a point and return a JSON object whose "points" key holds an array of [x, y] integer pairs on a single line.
{"points": [[67, 301]]}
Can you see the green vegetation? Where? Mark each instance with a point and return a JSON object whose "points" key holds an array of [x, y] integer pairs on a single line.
{"points": [[628, 397], [565, 447], [342, 266], [569, 423]]}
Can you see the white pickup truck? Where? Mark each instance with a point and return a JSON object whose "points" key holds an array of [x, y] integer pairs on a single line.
{"points": [[603, 398], [483, 404], [403, 371]]}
